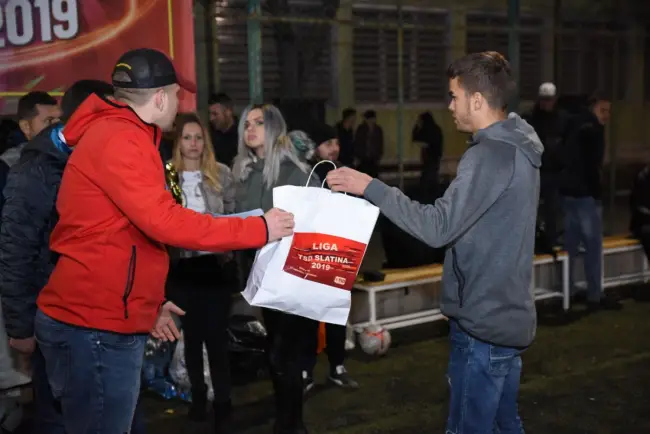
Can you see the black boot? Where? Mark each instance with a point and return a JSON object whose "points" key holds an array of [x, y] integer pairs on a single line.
{"points": [[222, 417], [297, 403], [197, 411], [289, 405], [282, 407]]}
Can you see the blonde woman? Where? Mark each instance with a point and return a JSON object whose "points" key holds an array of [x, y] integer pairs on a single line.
{"points": [[203, 283], [266, 159]]}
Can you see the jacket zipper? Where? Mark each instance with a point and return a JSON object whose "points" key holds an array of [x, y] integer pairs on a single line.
{"points": [[130, 277], [459, 277]]}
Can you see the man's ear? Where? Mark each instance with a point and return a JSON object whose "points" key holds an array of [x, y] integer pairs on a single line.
{"points": [[160, 99], [477, 101], [25, 127]]}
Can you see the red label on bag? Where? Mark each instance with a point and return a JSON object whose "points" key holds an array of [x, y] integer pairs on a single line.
{"points": [[325, 259]]}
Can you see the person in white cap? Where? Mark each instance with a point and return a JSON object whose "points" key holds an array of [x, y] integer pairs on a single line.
{"points": [[550, 124]]}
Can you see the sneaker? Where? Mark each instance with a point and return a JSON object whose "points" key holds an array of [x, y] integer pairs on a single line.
{"points": [[340, 377], [307, 381]]}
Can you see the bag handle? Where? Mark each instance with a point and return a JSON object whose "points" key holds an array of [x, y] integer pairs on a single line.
{"points": [[314, 168]]}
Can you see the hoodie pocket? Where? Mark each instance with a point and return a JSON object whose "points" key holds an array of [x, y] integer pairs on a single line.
{"points": [[130, 277], [460, 279]]}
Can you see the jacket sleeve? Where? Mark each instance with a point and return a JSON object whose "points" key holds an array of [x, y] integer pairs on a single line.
{"points": [[483, 175], [134, 181], [25, 221], [4, 172]]}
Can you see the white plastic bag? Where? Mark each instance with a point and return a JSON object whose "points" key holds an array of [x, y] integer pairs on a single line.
{"points": [[178, 370], [312, 272]]}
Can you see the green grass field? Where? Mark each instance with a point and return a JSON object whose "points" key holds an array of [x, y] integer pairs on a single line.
{"points": [[583, 374]]}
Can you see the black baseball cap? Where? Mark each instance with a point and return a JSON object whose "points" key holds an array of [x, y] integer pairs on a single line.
{"points": [[148, 69]]}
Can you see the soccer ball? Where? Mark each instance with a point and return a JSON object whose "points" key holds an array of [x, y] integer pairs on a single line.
{"points": [[375, 340]]}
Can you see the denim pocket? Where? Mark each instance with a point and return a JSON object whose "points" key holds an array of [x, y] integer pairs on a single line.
{"points": [[118, 341], [502, 360]]}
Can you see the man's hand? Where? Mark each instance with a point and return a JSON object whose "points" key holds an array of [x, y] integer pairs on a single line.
{"points": [[348, 181], [279, 223], [25, 346], [165, 327]]}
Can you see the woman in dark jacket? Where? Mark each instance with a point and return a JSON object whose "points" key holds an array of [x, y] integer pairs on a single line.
{"points": [[267, 159], [203, 284]]}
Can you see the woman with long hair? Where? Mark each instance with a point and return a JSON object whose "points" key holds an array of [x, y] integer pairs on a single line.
{"points": [[266, 159], [202, 284]]}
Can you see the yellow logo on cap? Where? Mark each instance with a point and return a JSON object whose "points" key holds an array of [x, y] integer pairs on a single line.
{"points": [[124, 65]]}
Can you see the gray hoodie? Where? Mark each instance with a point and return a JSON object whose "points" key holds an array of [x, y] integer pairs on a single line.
{"points": [[487, 220]]}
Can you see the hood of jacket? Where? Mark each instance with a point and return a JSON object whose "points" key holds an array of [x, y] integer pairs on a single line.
{"points": [[516, 132], [96, 108]]}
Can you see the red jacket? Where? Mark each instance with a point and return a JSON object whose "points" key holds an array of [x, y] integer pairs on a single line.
{"points": [[116, 218]]}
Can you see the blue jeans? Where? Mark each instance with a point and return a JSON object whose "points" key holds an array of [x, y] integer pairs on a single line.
{"points": [[94, 375], [47, 417], [583, 224], [484, 383]]}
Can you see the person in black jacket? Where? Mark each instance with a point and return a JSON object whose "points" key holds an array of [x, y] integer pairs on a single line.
{"points": [[223, 126], [36, 111], [345, 133], [28, 217], [582, 190], [429, 135], [550, 124], [319, 143]]}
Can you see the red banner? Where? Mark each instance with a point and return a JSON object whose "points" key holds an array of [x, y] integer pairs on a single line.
{"points": [[49, 44], [325, 259]]}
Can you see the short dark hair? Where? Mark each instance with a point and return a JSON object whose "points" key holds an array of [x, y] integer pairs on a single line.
{"points": [[370, 114], [27, 109], [596, 97], [348, 112], [487, 73], [79, 91], [220, 98]]}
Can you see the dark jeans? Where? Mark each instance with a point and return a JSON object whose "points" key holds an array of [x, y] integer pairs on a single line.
{"points": [[583, 224], [206, 321], [47, 410], [335, 335], [484, 383], [95, 375], [203, 287], [288, 338]]}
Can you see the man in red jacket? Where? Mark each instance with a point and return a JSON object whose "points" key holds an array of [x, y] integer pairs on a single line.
{"points": [[115, 220]]}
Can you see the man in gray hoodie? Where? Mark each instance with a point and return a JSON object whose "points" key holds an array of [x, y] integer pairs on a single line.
{"points": [[486, 218]]}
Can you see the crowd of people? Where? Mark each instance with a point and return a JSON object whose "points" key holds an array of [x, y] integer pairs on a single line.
{"points": [[96, 253], [571, 186], [83, 204]]}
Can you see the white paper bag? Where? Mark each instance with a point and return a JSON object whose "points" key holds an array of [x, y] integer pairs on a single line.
{"points": [[312, 272]]}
